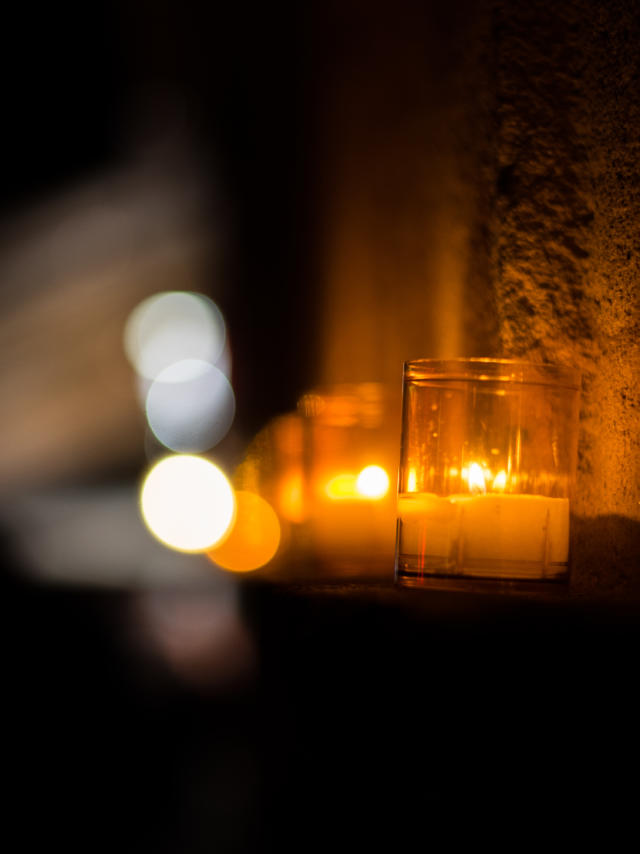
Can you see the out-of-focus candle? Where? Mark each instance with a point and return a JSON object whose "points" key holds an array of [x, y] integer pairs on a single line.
{"points": [[352, 521], [350, 453]]}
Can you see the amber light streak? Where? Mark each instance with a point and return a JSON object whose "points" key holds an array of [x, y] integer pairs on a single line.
{"points": [[290, 501]]}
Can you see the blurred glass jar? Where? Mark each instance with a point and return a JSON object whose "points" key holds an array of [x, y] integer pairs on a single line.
{"points": [[273, 468], [350, 464]]}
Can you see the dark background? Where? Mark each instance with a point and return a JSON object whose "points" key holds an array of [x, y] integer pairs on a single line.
{"points": [[85, 86], [372, 718]]}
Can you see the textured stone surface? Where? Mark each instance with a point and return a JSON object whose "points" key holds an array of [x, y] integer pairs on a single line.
{"points": [[484, 199], [565, 240]]}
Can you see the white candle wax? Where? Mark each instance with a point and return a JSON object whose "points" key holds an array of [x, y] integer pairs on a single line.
{"points": [[429, 524], [531, 528], [515, 527]]}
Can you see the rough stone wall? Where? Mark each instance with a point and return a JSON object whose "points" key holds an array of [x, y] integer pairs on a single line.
{"points": [[565, 245], [493, 208]]}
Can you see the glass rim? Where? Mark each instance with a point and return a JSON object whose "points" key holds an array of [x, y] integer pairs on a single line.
{"points": [[344, 404], [493, 369]]}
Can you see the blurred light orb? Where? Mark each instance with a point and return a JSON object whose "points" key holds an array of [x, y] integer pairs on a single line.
{"points": [[372, 482], [254, 538], [342, 486], [223, 362], [190, 406], [172, 326], [187, 503], [198, 633]]}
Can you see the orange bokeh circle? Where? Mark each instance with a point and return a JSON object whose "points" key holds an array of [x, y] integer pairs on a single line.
{"points": [[254, 538]]}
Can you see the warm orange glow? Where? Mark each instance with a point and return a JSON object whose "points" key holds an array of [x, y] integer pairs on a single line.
{"points": [[342, 486], [475, 478], [372, 482], [478, 477], [412, 483], [500, 481], [254, 539], [291, 498]]}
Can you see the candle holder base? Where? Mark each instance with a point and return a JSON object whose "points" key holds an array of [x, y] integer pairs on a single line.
{"points": [[475, 576]]}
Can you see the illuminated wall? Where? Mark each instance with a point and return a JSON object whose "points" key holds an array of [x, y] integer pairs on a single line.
{"points": [[483, 198]]}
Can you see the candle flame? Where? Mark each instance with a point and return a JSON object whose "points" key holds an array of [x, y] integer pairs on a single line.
{"points": [[500, 481], [475, 478]]}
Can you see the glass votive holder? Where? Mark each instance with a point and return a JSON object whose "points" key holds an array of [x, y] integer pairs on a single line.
{"points": [[350, 467], [487, 467]]}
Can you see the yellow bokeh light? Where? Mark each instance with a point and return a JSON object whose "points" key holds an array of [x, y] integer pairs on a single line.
{"points": [[187, 503], [412, 481], [372, 482], [342, 486], [254, 538]]}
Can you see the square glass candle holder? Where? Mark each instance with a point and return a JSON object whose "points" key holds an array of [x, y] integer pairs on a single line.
{"points": [[487, 467]]}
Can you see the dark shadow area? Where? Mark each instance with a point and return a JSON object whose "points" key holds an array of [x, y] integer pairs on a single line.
{"points": [[374, 714], [108, 750], [390, 711], [605, 556]]}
